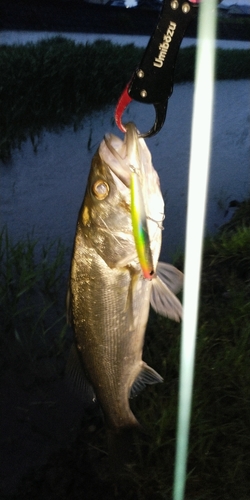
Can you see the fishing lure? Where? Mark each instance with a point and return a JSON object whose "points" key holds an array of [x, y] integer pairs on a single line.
{"points": [[139, 225], [138, 212]]}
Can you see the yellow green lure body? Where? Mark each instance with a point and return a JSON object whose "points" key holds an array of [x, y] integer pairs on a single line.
{"points": [[139, 224]]}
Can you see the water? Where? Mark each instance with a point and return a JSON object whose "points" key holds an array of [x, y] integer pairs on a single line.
{"points": [[21, 37], [42, 190]]}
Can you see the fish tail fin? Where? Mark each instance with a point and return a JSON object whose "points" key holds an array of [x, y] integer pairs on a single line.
{"points": [[167, 282], [121, 450]]}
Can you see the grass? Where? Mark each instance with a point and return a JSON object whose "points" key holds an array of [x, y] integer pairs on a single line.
{"points": [[219, 451], [57, 82], [54, 83], [33, 324]]}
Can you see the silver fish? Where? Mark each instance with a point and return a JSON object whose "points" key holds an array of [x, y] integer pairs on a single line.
{"points": [[109, 299]]}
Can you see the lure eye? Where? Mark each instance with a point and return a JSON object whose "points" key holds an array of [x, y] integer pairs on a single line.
{"points": [[100, 189]]}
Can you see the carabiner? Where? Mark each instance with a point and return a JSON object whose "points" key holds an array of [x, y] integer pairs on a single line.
{"points": [[152, 81]]}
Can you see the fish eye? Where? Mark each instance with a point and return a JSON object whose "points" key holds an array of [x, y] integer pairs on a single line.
{"points": [[100, 189]]}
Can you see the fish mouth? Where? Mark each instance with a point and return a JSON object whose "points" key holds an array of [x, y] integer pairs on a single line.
{"points": [[122, 157]]}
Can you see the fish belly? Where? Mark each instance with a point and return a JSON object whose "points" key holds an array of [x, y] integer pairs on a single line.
{"points": [[110, 311]]}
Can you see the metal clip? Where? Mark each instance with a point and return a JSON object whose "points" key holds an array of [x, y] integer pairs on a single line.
{"points": [[152, 81]]}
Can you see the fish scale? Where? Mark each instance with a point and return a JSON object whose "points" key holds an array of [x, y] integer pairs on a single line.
{"points": [[109, 298]]}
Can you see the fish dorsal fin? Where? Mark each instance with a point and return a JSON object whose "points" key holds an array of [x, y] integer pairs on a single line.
{"points": [[147, 376], [168, 280], [69, 306], [76, 379]]}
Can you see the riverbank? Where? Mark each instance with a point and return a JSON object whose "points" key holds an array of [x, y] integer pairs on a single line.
{"points": [[53, 449], [50, 451], [83, 17]]}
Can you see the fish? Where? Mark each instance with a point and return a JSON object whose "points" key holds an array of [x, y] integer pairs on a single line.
{"points": [[109, 297]]}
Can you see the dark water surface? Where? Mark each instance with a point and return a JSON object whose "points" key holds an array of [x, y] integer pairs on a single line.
{"points": [[42, 190]]}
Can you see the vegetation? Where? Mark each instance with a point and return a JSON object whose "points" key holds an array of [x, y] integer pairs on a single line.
{"points": [[219, 454], [56, 82], [32, 315]]}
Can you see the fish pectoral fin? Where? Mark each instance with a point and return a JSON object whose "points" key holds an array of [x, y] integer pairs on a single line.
{"points": [[126, 260], [171, 276], [147, 376], [76, 379], [163, 301]]}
